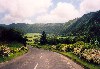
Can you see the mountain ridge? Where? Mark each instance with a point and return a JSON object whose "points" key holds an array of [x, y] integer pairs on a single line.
{"points": [[87, 24]]}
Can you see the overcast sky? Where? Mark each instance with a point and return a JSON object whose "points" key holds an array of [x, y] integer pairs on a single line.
{"points": [[44, 11]]}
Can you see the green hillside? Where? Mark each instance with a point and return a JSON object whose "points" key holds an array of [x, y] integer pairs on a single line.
{"points": [[87, 24]]}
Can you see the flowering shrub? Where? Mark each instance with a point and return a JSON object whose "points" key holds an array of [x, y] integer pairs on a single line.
{"points": [[53, 46], [4, 51], [81, 49], [77, 51], [67, 48], [62, 47], [92, 55]]}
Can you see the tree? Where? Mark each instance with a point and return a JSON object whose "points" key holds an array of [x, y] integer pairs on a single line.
{"points": [[12, 35], [43, 39], [24, 40]]}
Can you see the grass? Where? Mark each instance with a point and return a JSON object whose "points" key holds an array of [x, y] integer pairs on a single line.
{"points": [[13, 46]]}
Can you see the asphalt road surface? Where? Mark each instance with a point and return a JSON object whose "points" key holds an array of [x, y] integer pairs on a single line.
{"points": [[40, 59]]}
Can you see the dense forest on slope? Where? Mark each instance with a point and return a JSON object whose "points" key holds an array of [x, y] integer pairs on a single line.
{"points": [[87, 24]]}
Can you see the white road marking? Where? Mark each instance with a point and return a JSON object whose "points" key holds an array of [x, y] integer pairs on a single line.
{"points": [[41, 53], [40, 57], [36, 66]]}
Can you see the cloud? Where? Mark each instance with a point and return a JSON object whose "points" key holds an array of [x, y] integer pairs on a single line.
{"points": [[39, 11], [62, 13], [66, 11], [8, 19], [23, 8], [89, 6]]}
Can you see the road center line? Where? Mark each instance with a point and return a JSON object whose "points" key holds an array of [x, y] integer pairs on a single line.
{"points": [[36, 66], [40, 57]]}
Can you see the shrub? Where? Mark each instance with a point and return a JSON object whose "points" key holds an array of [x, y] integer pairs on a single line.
{"points": [[67, 48], [12, 51], [55, 47], [77, 51], [62, 47], [4, 51], [58, 47], [79, 43], [92, 55]]}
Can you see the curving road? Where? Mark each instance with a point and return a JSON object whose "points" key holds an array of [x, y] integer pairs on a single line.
{"points": [[40, 59]]}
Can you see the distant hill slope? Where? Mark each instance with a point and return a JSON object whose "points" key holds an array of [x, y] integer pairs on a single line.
{"points": [[87, 24], [49, 28]]}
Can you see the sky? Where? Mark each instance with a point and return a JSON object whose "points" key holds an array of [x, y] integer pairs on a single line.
{"points": [[45, 11]]}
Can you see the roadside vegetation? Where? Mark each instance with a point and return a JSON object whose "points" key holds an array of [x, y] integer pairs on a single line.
{"points": [[12, 44], [76, 48], [12, 50]]}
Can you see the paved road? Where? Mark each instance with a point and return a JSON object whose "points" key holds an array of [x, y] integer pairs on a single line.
{"points": [[40, 59]]}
